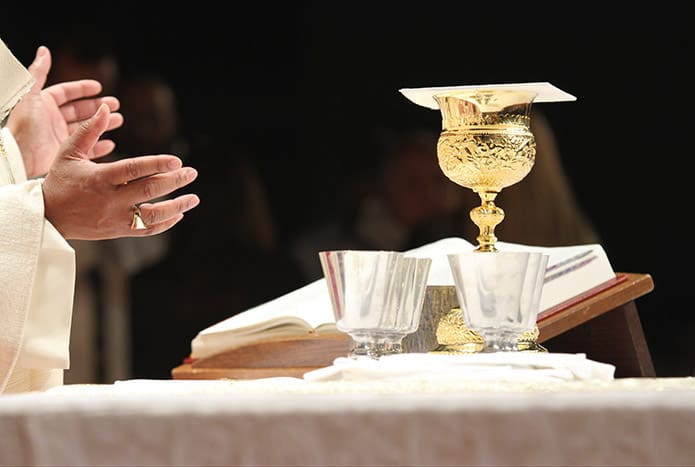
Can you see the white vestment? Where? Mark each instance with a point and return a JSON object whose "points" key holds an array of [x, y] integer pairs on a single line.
{"points": [[37, 265]]}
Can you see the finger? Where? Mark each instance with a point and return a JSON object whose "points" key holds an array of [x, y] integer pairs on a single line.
{"points": [[102, 148], [81, 142], [158, 185], [78, 110], [115, 121], [164, 211], [156, 229], [133, 168], [39, 67], [74, 90]]}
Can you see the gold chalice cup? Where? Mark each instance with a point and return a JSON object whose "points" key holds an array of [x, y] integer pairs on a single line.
{"points": [[486, 145]]}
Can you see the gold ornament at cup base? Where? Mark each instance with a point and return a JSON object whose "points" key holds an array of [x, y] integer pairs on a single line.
{"points": [[454, 337]]}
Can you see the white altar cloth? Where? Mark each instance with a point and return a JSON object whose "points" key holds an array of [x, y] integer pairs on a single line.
{"points": [[287, 421]]}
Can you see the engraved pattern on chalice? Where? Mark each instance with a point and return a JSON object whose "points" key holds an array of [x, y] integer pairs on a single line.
{"points": [[486, 145]]}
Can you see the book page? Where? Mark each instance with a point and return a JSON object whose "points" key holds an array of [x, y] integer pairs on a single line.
{"points": [[310, 303], [572, 270], [298, 312], [440, 271]]}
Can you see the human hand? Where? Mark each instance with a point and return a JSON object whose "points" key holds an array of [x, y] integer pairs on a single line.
{"points": [[87, 200], [44, 118]]}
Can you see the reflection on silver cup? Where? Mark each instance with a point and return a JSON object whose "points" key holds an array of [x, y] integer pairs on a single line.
{"points": [[377, 297], [499, 293]]}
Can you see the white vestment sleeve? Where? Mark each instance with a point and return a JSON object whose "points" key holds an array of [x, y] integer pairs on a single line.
{"points": [[37, 270], [15, 80]]}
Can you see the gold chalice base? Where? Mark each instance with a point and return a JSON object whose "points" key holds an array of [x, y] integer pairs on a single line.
{"points": [[454, 337]]}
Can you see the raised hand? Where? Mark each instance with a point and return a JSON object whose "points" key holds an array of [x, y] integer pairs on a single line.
{"points": [[94, 201], [44, 118]]}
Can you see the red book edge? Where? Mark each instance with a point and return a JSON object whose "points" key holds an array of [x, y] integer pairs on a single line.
{"points": [[621, 277]]}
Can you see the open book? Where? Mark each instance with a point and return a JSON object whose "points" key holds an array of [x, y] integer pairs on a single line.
{"points": [[573, 273]]}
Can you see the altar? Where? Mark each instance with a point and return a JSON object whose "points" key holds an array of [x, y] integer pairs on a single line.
{"points": [[292, 421]]}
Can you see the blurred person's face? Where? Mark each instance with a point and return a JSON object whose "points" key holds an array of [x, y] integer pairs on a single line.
{"points": [[151, 117]]}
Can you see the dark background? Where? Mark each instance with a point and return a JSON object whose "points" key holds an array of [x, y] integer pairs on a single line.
{"points": [[300, 84]]}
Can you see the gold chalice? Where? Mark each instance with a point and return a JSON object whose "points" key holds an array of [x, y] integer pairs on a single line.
{"points": [[486, 145]]}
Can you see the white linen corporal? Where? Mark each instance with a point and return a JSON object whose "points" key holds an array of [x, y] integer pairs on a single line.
{"points": [[496, 366]]}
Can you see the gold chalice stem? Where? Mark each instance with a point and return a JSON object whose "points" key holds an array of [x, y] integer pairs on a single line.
{"points": [[486, 217]]}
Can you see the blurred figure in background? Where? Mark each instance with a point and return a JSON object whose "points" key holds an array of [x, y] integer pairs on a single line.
{"points": [[79, 55], [154, 120], [402, 189], [151, 120], [229, 255]]}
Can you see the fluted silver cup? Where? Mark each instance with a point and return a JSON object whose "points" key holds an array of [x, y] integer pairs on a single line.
{"points": [[377, 297], [499, 293]]}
